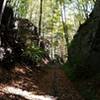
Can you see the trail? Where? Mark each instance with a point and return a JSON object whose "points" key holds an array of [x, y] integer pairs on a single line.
{"points": [[58, 85], [51, 84]]}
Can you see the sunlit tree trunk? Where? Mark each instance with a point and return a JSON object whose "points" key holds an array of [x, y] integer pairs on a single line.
{"points": [[52, 38], [65, 29]]}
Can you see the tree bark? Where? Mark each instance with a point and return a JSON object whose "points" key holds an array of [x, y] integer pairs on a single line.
{"points": [[40, 17]]}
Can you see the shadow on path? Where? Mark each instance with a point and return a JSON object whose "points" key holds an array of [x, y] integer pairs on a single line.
{"points": [[48, 84]]}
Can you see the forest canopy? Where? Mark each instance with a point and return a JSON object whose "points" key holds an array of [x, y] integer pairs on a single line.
{"points": [[60, 18]]}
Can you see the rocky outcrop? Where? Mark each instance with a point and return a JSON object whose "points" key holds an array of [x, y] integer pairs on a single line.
{"points": [[84, 50]]}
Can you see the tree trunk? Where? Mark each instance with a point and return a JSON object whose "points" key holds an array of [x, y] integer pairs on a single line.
{"points": [[65, 29], [40, 17], [63, 15]]}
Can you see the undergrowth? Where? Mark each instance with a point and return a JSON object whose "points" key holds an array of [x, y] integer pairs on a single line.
{"points": [[87, 88]]}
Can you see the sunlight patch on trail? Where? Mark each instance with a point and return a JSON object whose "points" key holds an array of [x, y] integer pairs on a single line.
{"points": [[26, 94]]}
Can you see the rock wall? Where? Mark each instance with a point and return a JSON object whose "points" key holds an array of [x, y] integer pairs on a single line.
{"points": [[84, 50]]}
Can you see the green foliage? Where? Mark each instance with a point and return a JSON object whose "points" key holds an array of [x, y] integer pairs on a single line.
{"points": [[20, 7], [75, 71], [69, 70], [34, 52]]}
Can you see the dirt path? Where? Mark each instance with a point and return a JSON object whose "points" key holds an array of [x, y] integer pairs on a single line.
{"points": [[58, 85], [51, 84]]}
